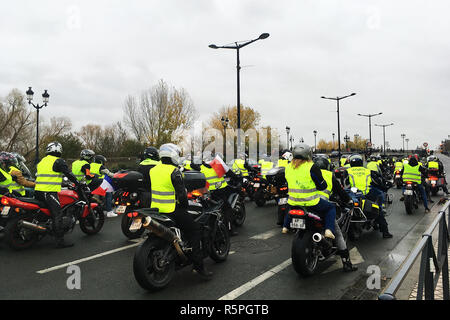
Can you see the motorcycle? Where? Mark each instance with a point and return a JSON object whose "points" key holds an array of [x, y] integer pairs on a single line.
{"points": [[275, 177], [309, 246], [434, 181], [166, 250], [411, 197], [29, 220], [130, 195], [398, 179]]}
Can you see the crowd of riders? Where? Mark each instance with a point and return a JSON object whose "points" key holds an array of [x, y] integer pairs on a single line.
{"points": [[310, 179]]}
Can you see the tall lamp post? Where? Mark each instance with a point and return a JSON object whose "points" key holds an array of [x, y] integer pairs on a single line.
{"points": [[332, 147], [288, 129], [370, 122], [384, 134], [225, 125], [291, 139], [337, 99], [237, 47], [346, 139], [403, 137], [407, 140], [45, 97], [301, 140], [315, 145]]}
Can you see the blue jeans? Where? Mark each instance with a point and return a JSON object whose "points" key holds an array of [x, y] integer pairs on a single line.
{"points": [[422, 192], [324, 208], [108, 201]]}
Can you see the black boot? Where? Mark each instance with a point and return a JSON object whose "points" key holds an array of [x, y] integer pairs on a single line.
{"points": [[201, 270], [346, 263], [61, 243]]}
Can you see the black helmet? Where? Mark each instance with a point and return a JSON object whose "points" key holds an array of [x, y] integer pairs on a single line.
{"points": [[87, 154], [100, 159], [356, 161], [322, 163], [8, 159], [152, 153], [302, 151]]}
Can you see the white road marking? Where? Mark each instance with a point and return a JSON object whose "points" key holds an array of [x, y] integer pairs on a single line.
{"points": [[256, 281], [138, 242], [355, 257], [266, 235]]}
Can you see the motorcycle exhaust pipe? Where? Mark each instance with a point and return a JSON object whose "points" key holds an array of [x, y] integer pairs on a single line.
{"points": [[165, 233], [31, 226], [319, 239]]}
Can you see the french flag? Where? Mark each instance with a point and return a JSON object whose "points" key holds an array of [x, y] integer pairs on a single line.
{"points": [[106, 186], [219, 166]]}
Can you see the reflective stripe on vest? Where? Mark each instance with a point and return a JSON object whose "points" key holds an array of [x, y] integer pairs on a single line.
{"points": [[163, 191], [412, 173], [211, 177], [149, 162], [433, 165], [360, 178], [48, 180], [240, 164], [15, 186], [302, 189], [76, 169], [328, 177]]}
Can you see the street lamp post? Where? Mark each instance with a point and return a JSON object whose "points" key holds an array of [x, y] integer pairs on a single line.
{"points": [[291, 139], [45, 97], [225, 125], [301, 140], [346, 139], [370, 122], [403, 137], [315, 145], [288, 129], [337, 99], [407, 140], [237, 47], [332, 148], [384, 135]]}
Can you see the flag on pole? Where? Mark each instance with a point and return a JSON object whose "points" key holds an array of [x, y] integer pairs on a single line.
{"points": [[106, 186], [219, 166]]}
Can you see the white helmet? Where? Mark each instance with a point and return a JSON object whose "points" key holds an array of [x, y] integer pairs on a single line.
{"points": [[54, 148], [171, 151], [287, 156]]}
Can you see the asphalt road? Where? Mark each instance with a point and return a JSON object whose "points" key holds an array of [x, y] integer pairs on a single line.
{"points": [[258, 267]]}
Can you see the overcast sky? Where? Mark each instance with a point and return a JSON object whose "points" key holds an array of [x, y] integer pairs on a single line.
{"points": [[91, 54]]}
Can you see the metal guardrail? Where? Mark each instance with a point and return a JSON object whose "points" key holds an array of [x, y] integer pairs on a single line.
{"points": [[432, 263]]}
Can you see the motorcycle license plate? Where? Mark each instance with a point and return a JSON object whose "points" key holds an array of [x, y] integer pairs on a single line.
{"points": [[298, 223], [256, 185], [121, 209], [408, 193], [136, 225], [282, 201], [5, 211]]}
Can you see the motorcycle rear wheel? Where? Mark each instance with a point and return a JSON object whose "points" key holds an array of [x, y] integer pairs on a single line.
{"points": [[19, 238], [125, 226], [149, 274], [303, 258], [259, 198], [409, 205]]}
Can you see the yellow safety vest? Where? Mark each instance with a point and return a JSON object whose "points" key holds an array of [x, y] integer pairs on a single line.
{"points": [[48, 180], [373, 166], [76, 170], [433, 165], [15, 186], [398, 166], [163, 191], [211, 177], [8, 183], [282, 163], [95, 169], [328, 177], [239, 165], [360, 178], [187, 165], [411, 173], [265, 167], [302, 189]]}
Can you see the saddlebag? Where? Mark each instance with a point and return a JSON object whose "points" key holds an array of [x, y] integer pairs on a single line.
{"points": [[371, 209]]}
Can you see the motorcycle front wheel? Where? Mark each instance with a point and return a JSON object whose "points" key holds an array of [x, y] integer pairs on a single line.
{"points": [[150, 270], [220, 243], [239, 214], [93, 222], [304, 258]]}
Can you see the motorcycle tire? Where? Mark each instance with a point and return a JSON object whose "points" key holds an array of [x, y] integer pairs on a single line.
{"points": [[409, 205], [259, 198], [91, 225], [239, 214], [125, 226], [18, 238], [220, 244], [303, 259], [147, 272], [355, 231]]}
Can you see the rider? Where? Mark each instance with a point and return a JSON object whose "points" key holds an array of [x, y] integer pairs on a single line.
{"points": [[305, 180], [285, 158], [365, 180], [373, 164], [98, 168], [218, 186], [82, 168], [151, 159], [50, 171], [266, 165], [436, 164], [170, 197], [9, 163], [334, 188], [412, 171]]}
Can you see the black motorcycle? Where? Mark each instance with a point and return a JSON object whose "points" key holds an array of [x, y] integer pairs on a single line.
{"points": [[411, 196], [309, 246], [166, 249], [275, 177]]}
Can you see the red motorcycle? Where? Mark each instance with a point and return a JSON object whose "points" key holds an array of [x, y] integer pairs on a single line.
{"points": [[29, 220], [434, 181]]}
